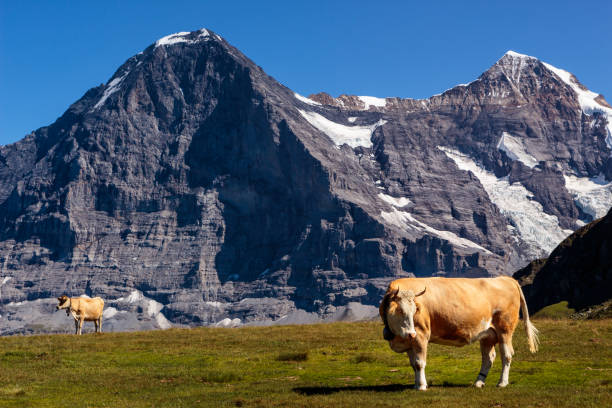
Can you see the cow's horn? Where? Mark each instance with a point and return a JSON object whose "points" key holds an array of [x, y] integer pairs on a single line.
{"points": [[422, 293], [395, 292]]}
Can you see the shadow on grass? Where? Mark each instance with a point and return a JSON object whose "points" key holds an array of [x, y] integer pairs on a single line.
{"points": [[369, 388]]}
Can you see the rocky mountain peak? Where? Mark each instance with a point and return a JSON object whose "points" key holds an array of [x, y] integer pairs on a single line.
{"points": [[199, 181], [515, 55], [516, 75], [169, 70], [514, 64]]}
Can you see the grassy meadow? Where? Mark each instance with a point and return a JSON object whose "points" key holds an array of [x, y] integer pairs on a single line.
{"points": [[325, 365]]}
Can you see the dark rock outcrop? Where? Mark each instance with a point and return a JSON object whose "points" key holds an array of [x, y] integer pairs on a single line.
{"points": [[579, 270]]}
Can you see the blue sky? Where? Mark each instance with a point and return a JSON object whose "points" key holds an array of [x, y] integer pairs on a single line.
{"points": [[52, 52]]}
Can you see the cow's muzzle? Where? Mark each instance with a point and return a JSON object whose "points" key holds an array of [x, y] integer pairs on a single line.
{"points": [[388, 334]]}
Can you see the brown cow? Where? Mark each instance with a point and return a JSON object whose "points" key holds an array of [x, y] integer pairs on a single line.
{"points": [[456, 312], [83, 309]]}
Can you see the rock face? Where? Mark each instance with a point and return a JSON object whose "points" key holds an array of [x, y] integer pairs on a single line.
{"points": [[579, 270], [199, 181]]}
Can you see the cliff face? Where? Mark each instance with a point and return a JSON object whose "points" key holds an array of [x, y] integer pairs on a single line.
{"points": [[579, 270], [194, 181]]}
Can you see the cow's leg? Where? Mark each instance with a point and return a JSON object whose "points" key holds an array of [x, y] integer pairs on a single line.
{"points": [[506, 351], [76, 326], [418, 358], [81, 320], [96, 325], [487, 349], [100, 324]]}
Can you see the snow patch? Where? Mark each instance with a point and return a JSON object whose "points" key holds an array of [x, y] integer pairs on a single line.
{"points": [[352, 119], [150, 306], [227, 322], [6, 279], [373, 101], [111, 88], [305, 100], [340, 134], [172, 39], [133, 297], [515, 150], [162, 322], [592, 195], [396, 202], [407, 222], [109, 312], [540, 231], [518, 55], [180, 38], [586, 99], [153, 307]]}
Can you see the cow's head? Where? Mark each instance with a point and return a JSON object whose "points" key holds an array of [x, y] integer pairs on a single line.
{"points": [[397, 310], [64, 302]]}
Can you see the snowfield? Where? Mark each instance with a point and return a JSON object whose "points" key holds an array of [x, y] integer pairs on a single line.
{"points": [[340, 134], [516, 150], [528, 221], [592, 195]]}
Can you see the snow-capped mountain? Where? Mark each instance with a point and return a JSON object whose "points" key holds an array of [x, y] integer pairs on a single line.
{"points": [[199, 181]]}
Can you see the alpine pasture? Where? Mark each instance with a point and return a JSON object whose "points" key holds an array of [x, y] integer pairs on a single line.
{"points": [[323, 365]]}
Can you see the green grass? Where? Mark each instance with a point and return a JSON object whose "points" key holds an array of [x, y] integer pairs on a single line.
{"points": [[342, 364], [556, 311]]}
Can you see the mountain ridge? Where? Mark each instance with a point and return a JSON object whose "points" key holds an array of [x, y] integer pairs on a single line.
{"points": [[198, 181], [348, 100]]}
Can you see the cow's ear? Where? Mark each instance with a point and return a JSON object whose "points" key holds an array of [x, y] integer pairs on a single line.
{"points": [[421, 293]]}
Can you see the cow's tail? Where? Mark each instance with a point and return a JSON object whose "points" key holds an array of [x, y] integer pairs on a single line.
{"points": [[530, 329]]}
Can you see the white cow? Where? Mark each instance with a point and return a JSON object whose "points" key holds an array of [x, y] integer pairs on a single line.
{"points": [[83, 309]]}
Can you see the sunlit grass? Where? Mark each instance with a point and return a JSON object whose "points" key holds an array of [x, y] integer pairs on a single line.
{"points": [[557, 311], [341, 364]]}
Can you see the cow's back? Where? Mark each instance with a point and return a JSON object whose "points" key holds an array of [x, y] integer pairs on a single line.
{"points": [[460, 307], [90, 309]]}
